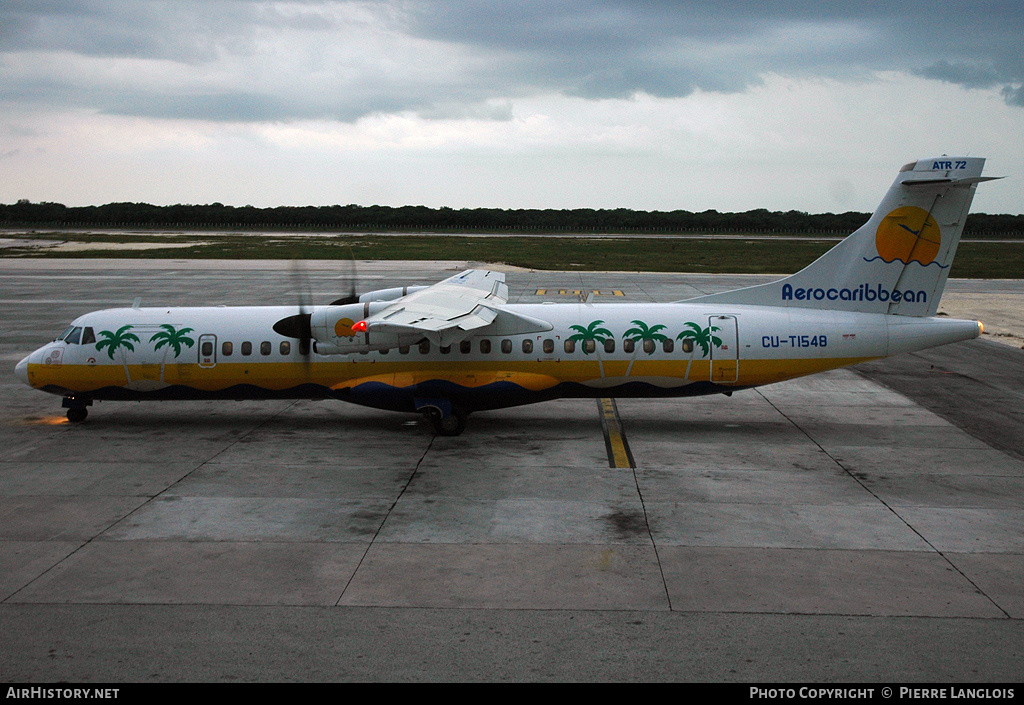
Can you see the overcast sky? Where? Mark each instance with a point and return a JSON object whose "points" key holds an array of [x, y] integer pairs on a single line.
{"points": [[652, 105]]}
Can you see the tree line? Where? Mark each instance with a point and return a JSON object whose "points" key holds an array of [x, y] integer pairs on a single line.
{"points": [[413, 218]]}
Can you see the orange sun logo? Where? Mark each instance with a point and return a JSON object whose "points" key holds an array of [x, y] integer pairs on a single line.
{"points": [[908, 234], [343, 328]]}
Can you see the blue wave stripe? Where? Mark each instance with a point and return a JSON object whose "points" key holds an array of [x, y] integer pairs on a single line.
{"points": [[913, 261], [497, 395]]}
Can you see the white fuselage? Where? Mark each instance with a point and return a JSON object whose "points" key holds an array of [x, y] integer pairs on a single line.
{"points": [[637, 350]]}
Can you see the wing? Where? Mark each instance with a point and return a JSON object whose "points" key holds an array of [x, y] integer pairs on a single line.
{"points": [[444, 313]]}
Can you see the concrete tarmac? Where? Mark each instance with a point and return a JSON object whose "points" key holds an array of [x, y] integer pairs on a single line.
{"points": [[858, 525]]}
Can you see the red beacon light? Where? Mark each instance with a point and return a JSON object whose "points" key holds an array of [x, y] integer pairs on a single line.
{"points": [[359, 327]]}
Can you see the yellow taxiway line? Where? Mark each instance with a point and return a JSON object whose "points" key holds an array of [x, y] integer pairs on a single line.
{"points": [[619, 455]]}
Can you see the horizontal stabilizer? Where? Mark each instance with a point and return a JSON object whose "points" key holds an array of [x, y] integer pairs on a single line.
{"points": [[966, 181]]}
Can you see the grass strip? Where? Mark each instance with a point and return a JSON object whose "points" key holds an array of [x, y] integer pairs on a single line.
{"points": [[975, 260]]}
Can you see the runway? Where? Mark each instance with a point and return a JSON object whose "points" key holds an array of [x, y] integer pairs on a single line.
{"points": [[858, 525]]}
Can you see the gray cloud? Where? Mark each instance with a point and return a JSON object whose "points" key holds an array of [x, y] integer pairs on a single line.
{"points": [[608, 49], [187, 31], [254, 61], [967, 75], [1014, 96]]}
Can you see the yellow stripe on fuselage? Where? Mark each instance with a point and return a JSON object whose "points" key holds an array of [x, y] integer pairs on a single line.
{"points": [[532, 375]]}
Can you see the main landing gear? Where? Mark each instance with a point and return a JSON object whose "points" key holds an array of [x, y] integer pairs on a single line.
{"points": [[447, 418], [77, 408], [452, 425]]}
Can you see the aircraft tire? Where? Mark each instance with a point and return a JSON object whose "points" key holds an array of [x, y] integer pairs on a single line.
{"points": [[77, 415], [454, 425]]}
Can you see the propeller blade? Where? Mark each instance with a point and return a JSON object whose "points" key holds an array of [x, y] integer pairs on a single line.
{"points": [[298, 326], [352, 297]]}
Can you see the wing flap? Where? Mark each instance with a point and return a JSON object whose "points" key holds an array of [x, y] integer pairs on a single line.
{"points": [[446, 312]]}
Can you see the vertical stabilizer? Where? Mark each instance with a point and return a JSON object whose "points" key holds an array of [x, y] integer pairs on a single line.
{"points": [[898, 261]]}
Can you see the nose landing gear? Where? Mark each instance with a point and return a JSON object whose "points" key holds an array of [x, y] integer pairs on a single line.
{"points": [[77, 408]]}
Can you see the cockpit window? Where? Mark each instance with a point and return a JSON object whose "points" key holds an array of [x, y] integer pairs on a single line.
{"points": [[88, 337], [64, 334], [74, 336]]}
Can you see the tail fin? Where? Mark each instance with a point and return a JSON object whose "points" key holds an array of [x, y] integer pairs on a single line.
{"points": [[898, 261]]}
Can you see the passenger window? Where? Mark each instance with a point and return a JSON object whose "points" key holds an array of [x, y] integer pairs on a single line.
{"points": [[549, 346], [628, 346], [88, 337], [286, 347], [74, 336], [506, 346], [384, 351], [589, 346], [265, 347], [403, 350], [247, 348], [609, 345], [527, 346], [485, 346], [687, 345], [226, 349], [445, 349], [668, 346], [648, 346], [570, 346], [465, 347], [424, 347]]}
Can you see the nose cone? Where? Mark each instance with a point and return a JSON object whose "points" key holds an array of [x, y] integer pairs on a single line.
{"points": [[21, 371]]}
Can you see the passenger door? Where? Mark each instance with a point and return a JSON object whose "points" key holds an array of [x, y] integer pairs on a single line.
{"points": [[725, 357]]}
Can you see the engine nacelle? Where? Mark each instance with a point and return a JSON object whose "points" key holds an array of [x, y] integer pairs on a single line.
{"points": [[388, 294], [331, 328]]}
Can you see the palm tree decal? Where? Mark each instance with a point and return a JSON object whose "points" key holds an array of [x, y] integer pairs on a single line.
{"points": [[640, 334], [121, 339], [172, 338], [704, 337], [592, 332]]}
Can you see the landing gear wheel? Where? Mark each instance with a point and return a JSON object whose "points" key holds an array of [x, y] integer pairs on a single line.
{"points": [[78, 414], [453, 425]]}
